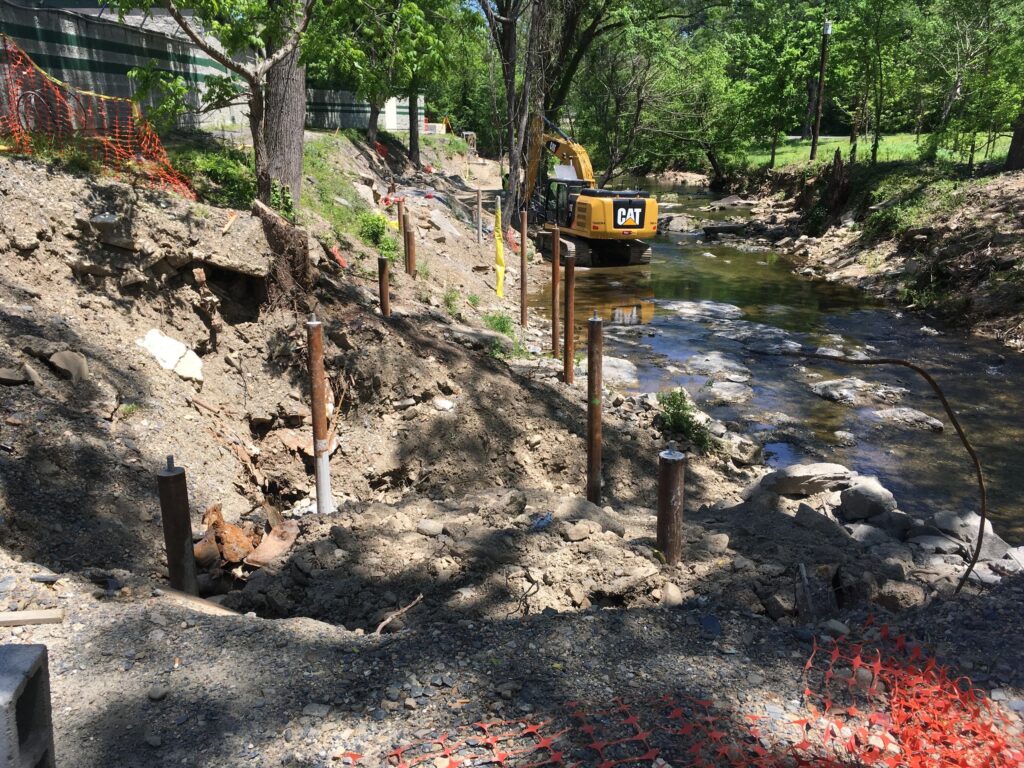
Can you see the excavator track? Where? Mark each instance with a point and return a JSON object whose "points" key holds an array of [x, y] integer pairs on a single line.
{"points": [[597, 253]]}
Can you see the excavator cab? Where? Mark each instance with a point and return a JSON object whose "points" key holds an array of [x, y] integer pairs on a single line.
{"points": [[600, 227]]}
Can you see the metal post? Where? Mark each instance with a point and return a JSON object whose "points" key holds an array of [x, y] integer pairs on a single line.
{"points": [[318, 396], [177, 521], [384, 288], [570, 316], [479, 217], [595, 355], [671, 484], [522, 269], [825, 33], [410, 250], [401, 219], [405, 240], [556, 258]]}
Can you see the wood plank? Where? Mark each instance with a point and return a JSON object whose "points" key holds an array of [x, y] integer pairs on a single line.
{"points": [[25, 618], [198, 604]]}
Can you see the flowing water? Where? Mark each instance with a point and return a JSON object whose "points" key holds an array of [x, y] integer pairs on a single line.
{"points": [[739, 305]]}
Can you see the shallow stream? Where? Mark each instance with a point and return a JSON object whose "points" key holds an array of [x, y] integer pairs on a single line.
{"points": [[708, 316]]}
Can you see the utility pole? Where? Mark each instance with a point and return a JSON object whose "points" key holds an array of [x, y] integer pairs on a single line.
{"points": [[826, 33]]}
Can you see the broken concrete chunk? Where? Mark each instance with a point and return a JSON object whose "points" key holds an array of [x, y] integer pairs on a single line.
{"points": [[112, 229], [173, 355], [70, 365]]}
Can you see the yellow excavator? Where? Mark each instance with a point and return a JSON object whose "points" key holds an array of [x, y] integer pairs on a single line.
{"points": [[600, 227]]}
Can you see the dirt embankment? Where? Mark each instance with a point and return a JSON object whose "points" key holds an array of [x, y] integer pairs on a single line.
{"points": [[951, 246], [136, 325]]}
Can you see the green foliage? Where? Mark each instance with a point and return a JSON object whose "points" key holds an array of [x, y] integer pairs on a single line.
{"points": [[451, 301], [329, 181], [678, 417], [166, 92], [423, 269], [501, 323], [912, 197], [127, 410], [373, 228], [473, 300], [221, 175]]}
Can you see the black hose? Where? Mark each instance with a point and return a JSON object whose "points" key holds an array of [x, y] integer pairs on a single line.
{"points": [[952, 417]]}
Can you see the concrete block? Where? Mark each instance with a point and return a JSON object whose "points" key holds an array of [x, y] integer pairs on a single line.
{"points": [[26, 724]]}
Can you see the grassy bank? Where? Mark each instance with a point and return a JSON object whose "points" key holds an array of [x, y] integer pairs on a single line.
{"points": [[897, 147]]}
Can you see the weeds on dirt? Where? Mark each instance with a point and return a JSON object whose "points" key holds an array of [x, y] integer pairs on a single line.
{"points": [[423, 269], [501, 323], [451, 302], [372, 229], [677, 414], [127, 410], [473, 300], [329, 191], [221, 175], [517, 352]]}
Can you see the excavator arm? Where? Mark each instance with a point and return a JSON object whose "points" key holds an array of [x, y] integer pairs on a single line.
{"points": [[570, 155]]}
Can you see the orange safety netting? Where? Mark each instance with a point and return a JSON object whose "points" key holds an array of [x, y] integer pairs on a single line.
{"points": [[882, 703], [36, 109]]}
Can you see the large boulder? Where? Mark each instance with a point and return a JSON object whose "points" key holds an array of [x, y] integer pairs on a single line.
{"points": [[806, 479], [866, 498], [966, 526]]}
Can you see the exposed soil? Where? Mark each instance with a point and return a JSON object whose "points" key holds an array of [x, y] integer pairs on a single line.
{"points": [[448, 459]]}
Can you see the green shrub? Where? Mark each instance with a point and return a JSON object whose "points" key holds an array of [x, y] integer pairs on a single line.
{"points": [[373, 228], [221, 176], [678, 417], [423, 269], [474, 300], [500, 322], [451, 301]]}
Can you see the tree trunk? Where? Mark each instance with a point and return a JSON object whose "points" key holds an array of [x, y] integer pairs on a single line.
{"points": [[286, 122], [257, 125], [812, 106], [414, 124], [775, 144], [373, 122], [880, 85], [1015, 157], [716, 165]]}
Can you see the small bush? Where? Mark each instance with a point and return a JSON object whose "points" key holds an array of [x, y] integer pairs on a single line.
{"points": [[373, 228], [423, 269], [678, 417], [221, 176], [500, 322], [474, 300], [451, 301]]}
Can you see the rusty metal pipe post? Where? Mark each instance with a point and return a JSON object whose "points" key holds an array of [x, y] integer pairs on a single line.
{"points": [[570, 316], [523, 318], [556, 262], [410, 250], [177, 522], [318, 405], [401, 219], [595, 356], [405, 240], [479, 216], [671, 490], [384, 286]]}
